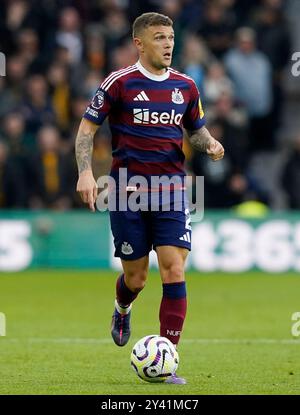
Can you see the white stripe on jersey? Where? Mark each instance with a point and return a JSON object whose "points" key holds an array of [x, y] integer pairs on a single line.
{"points": [[119, 76], [181, 74], [109, 77], [116, 75]]}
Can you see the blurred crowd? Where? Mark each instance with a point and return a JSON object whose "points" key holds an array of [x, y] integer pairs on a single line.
{"points": [[58, 52]]}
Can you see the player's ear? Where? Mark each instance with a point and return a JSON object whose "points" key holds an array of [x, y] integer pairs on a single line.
{"points": [[138, 44]]}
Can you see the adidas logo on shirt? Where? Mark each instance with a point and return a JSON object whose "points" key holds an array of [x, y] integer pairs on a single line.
{"points": [[186, 237], [142, 96]]}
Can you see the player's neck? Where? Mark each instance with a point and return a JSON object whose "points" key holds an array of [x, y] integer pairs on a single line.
{"points": [[151, 69]]}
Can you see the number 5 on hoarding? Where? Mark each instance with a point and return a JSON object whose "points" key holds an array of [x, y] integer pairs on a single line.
{"points": [[2, 324]]}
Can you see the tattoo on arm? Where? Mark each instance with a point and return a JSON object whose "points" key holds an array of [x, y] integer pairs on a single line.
{"points": [[84, 150], [200, 139]]}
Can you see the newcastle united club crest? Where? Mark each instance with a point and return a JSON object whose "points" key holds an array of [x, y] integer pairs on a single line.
{"points": [[177, 97]]}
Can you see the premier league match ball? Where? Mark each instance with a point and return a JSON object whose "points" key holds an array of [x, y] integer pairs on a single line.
{"points": [[154, 358]]}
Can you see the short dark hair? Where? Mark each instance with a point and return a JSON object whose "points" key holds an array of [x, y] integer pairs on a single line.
{"points": [[149, 19]]}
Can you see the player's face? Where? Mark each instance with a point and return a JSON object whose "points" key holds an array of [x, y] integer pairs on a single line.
{"points": [[156, 46]]}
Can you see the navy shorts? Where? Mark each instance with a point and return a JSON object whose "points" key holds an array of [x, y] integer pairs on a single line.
{"points": [[136, 233]]}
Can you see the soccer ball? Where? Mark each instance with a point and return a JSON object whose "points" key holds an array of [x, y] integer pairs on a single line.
{"points": [[154, 358]]}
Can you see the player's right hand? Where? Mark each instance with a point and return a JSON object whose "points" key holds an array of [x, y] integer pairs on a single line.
{"points": [[87, 187], [215, 150]]}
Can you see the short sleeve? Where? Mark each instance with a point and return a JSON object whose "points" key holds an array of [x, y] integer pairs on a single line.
{"points": [[102, 102], [194, 117]]}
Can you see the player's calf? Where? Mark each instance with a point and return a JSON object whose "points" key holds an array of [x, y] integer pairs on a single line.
{"points": [[173, 311], [120, 327]]}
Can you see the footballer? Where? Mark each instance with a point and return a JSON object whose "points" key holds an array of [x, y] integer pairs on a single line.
{"points": [[148, 106]]}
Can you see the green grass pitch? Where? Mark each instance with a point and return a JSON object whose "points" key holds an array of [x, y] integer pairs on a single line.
{"points": [[237, 336]]}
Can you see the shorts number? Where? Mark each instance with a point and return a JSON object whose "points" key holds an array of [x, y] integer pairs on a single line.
{"points": [[188, 220]]}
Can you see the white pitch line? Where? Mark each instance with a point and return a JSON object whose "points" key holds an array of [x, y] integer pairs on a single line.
{"points": [[82, 340]]}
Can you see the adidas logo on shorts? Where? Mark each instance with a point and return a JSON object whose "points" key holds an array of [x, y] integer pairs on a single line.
{"points": [[186, 237]]}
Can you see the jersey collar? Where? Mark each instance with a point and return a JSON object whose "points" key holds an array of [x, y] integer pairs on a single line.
{"points": [[152, 75]]}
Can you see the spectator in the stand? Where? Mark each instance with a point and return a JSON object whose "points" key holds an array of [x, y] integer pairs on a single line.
{"points": [[235, 126], [11, 86], [95, 47], [51, 173], [123, 56], [217, 28], [7, 99], [12, 185], [37, 108], [69, 36], [29, 51], [172, 8], [275, 4], [273, 39], [62, 56], [225, 185], [243, 10], [216, 83], [91, 83], [191, 12], [194, 56], [77, 106], [102, 154], [60, 92], [16, 14], [291, 176], [251, 73], [17, 69], [13, 132], [116, 30]]}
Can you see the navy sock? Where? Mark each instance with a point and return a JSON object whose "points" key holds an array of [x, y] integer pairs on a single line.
{"points": [[124, 295]]}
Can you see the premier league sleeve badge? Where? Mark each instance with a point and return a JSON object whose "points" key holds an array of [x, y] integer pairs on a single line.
{"points": [[98, 100]]}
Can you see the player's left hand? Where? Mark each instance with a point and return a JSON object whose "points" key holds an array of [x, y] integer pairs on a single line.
{"points": [[215, 150]]}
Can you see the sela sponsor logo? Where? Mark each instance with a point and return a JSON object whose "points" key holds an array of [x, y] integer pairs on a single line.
{"points": [[126, 248], [177, 96], [144, 116]]}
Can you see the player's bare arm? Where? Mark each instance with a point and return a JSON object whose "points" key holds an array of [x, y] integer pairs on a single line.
{"points": [[86, 185], [203, 141]]}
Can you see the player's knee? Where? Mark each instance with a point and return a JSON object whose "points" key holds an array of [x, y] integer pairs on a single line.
{"points": [[136, 286], [137, 281], [173, 273], [139, 286]]}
